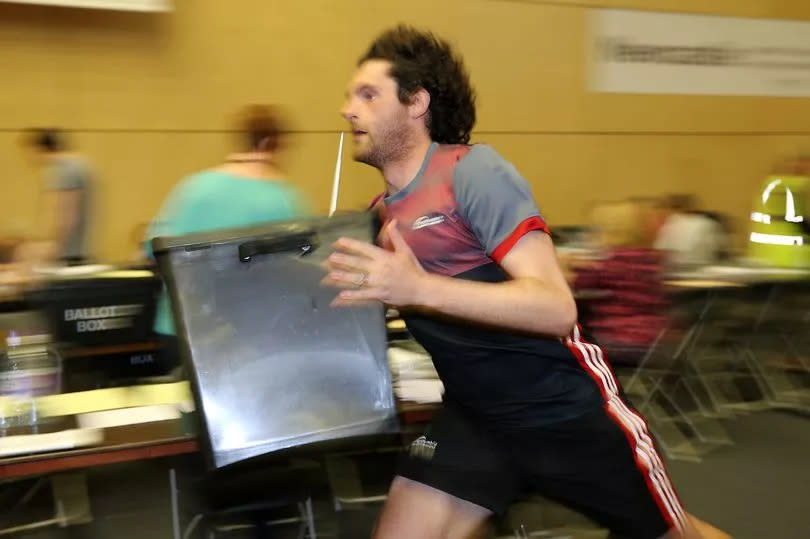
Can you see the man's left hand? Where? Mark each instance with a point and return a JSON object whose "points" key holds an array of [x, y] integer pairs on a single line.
{"points": [[367, 272]]}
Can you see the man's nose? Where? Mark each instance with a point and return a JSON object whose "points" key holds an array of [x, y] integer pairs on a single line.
{"points": [[347, 111]]}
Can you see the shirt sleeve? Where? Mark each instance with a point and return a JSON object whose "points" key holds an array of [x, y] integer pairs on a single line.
{"points": [[68, 177], [495, 200]]}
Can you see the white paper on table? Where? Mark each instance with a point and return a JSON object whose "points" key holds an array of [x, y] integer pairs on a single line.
{"points": [[73, 271], [22, 444], [409, 364], [421, 391], [128, 416]]}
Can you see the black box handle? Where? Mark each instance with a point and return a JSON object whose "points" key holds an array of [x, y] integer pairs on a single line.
{"points": [[303, 244]]}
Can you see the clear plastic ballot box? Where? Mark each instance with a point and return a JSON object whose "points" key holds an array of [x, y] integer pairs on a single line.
{"points": [[272, 365]]}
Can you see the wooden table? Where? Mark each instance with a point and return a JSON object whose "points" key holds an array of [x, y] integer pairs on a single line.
{"points": [[121, 444], [411, 412], [141, 442]]}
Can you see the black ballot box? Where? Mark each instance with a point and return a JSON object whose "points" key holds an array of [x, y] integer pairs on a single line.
{"points": [[104, 308], [273, 366]]}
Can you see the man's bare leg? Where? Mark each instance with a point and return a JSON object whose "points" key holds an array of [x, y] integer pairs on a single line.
{"points": [[705, 530], [698, 529], [417, 510]]}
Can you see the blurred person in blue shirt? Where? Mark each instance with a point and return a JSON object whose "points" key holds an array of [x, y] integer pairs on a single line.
{"points": [[246, 189]]}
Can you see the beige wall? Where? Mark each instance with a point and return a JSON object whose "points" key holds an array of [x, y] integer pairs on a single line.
{"points": [[148, 98]]}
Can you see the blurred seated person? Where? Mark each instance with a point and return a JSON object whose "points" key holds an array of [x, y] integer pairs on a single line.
{"points": [[9, 267], [803, 169], [689, 237], [18, 262], [724, 229], [796, 166], [246, 189], [633, 311], [139, 254], [8, 246], [67, 206], [655, 212]]}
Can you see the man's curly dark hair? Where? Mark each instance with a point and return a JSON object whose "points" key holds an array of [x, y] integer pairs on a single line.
{"points": [[421, 60]]}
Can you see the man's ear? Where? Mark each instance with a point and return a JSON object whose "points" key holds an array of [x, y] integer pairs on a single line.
{"points": [[420, 103]]}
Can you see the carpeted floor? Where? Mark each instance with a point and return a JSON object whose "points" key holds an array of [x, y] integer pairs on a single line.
{"points": [[759, 488]]}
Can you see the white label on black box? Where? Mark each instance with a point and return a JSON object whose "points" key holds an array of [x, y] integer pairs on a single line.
{"points": [[103, 324], [104, 311]]}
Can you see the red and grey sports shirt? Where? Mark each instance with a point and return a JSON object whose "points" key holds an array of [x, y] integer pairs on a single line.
{"points": [[461, 214]]}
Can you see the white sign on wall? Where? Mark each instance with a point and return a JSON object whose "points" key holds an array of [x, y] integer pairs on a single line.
{"points": [[669, 53], [117, 5]]}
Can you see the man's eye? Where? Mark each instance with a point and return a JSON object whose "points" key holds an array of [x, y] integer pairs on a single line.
{"points": [[368, 96]]}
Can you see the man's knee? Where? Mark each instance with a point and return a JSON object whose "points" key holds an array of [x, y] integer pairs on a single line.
{"points": [[417, 510], [697, 529]]}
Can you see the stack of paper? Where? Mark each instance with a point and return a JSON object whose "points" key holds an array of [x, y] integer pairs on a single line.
{"points": [[415, 378], [22, 444]]}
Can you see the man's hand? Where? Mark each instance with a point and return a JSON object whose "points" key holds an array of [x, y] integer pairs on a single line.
{"points": [[366, 272]]}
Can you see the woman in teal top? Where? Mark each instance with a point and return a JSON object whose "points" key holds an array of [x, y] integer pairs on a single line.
{"points": [[247, 189]]}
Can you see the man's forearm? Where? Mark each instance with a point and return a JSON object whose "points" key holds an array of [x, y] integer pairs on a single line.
{"points": [[521, 304]]}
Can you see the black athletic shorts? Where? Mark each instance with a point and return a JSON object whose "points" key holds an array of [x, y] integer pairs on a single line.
{"points": [[603, 464]]}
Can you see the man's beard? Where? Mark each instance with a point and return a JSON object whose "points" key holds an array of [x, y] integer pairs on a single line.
{"points": [[389, 145]]}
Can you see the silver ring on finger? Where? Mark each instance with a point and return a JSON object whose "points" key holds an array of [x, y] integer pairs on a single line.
{"points": [[361, 280]]}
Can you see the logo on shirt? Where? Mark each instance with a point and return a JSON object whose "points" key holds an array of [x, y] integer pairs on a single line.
{"points": [[422, 448], [426, 221]]}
